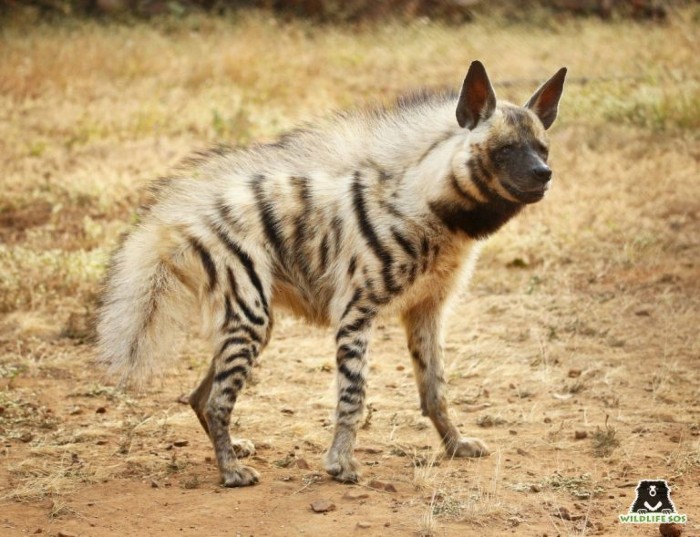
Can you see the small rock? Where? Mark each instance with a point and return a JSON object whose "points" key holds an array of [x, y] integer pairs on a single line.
{"points": [[676, 439], [522, 452], [180, 443], [364, 525], [548, 420], [670, 530], [154, 484], [574, 373], [400, 367], [26, 437], [562, 512], [302, 464], [38, 530], [100, 442], [355, 495], [287, 411], [535, 488], [380, 485], [100, 410], [65, 534], [322, 506], [580, 435], [387, 524]]}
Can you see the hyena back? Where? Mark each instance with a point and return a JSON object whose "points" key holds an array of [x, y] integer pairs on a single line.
{"points": [[366, 213]]}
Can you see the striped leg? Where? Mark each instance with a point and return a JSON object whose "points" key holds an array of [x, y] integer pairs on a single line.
{"points": [[245, 330], [423, 325], [352, 339]]}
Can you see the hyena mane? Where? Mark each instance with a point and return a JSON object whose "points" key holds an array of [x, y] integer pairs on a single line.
{"points": [[366, 213]]}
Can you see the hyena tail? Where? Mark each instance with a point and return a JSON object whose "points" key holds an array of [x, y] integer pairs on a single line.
{"points": [[144, 303]]}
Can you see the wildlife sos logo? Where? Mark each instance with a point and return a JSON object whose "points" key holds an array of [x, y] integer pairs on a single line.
{"points": [[653, 505]]}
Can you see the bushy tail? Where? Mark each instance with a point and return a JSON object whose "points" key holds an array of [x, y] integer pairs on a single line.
{"points": [[144, 305]]}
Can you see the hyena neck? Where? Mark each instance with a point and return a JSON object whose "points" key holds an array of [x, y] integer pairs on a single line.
{"points": [[477, 221]]}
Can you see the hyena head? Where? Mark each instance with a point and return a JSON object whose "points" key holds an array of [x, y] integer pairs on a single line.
{"points": [[506, 148]]}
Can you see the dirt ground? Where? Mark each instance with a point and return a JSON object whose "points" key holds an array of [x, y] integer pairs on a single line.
{"points": [[574, 353]]}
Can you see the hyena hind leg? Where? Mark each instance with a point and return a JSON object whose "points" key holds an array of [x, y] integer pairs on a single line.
{"points": [[423, 329], [243, 334], [198, 399]]}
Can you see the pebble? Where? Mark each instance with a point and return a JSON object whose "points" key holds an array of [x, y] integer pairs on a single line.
{"points": [[670, 530], [364, 525], [302, 464], [180, 443], [355, 495], [580, 435], [380, 485], [322, 506]]}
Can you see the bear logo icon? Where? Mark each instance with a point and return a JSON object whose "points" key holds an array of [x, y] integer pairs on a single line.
{"points": [[653, 496]]}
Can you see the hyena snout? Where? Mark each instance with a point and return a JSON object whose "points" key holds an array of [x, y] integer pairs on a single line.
{"points": [[541, 174]]}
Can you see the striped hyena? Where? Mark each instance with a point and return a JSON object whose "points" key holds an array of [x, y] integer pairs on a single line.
{"points": [[370, 212]]}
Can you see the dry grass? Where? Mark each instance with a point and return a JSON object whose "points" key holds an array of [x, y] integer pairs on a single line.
{"points": [[600, 279]]}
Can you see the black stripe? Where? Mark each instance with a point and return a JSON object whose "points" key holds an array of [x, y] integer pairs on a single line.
{"points": [[356, 296], [352, 377], [270, 222], [477, 223], [259, 321], [463, 193], [233, 341], [207, 261], [244, 258], [480, 176], [349, 353], [247, 330], [350, 399], [370, 235], [323, 254], [357, 325], [352, 266], [407, 246], [229, 315], [235, 370], [354, 389], [301, 223]]}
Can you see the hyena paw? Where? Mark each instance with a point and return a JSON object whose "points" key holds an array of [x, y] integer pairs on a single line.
{"points": [[240, 476], [343, 468], [242, 447], [468, 447]]}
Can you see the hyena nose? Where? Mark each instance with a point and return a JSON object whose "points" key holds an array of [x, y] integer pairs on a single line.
{"points": [[542, 173]]}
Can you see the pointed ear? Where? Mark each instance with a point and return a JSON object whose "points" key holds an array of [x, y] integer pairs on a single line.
{"points": [[545, 101], [477, 101]]}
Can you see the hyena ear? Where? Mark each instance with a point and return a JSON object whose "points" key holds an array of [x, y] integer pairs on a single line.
{"points": [[545, 101], [477, 101]]}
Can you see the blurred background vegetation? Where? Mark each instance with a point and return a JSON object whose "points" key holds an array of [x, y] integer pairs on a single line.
{"points": [[341, 11]]}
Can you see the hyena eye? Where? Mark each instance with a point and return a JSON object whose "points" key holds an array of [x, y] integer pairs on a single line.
{"points": [[542, 150], [504, 152]]}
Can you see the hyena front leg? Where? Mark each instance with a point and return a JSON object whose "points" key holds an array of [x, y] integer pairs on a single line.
{"points": [[352, 339], [423, 325], [243, 334]]}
